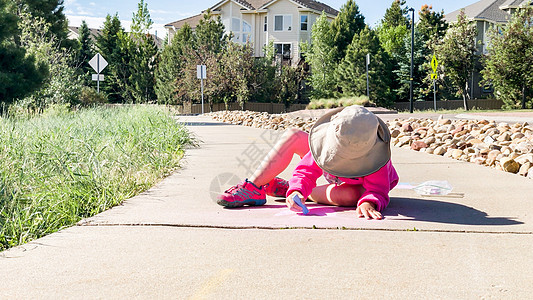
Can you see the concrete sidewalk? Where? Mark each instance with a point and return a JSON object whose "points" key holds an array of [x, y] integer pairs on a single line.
{"points": [[174, 241]]}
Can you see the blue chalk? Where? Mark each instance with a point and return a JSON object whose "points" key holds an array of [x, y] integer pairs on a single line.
{"points": [[298, 202]]}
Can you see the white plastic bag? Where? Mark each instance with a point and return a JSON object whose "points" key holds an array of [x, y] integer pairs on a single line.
{"points": [[433, 187]]}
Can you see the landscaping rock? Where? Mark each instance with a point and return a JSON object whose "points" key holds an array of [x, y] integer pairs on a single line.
{"points": [[503, 146]]}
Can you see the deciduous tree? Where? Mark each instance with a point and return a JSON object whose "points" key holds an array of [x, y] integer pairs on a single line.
{"points": [[321, 55], [457, 53], [509, 60]]}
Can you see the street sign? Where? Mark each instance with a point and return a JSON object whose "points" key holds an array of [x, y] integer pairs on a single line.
{"points": [[201, 71], [98, 63], [201, 74], [434, 76], [368, 58], [98, 77]]}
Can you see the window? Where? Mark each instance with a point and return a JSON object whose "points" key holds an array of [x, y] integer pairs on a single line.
{"points": [[241, 30], [283, 23], [303, 23], [246, 30], [265, 26], [235, 25], [284, 49]]}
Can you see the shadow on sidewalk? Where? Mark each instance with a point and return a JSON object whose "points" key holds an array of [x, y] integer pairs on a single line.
{"points": [[429, 210]]}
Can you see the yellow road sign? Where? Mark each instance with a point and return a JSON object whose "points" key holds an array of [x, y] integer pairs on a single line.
{"points": [[433, 75], [434, 63]]}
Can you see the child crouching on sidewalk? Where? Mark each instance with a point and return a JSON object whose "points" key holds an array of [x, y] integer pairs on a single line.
{"points": [[349, 146]]}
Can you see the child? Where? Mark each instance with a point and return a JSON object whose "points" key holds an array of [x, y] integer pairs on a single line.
{"points": [[349, 146]]}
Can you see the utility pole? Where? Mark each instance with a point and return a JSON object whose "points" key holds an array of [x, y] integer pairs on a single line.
{"points": [[411, 104]]}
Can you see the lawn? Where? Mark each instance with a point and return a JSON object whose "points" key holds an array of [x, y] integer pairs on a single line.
{"points": [[58, 169]]}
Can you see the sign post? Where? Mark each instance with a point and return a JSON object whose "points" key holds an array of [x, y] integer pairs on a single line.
{"points": [[434, 65], [367, 81], [201, 74], [98, 63]]}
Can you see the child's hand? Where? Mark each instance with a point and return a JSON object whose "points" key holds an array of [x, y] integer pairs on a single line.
{"points": [[292, 205], [368, 210]]}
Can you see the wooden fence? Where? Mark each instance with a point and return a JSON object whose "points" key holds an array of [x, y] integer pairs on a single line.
{"points": [[450, 104], [271, 108], [277, 108]]}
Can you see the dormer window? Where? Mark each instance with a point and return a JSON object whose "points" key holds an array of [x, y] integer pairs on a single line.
{"points": [[283, 23]]}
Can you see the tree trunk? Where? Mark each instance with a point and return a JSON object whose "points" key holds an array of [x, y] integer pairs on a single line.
{"points": [[524, 95], [465, 93]]}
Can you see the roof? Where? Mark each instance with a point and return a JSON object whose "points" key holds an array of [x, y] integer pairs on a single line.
{"points": [[97, 32], [255, 5], [94, 32], [513, 4], [192, 21], [488, 10]]}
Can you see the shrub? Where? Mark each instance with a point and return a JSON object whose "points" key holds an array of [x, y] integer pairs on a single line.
{"points": [[342, 102]]}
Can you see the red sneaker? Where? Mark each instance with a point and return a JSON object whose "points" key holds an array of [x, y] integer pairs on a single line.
{"points": [[277, 187], [245, 193]]}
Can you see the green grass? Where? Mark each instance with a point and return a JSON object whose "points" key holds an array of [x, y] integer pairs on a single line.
{"points": [[57, 169]]}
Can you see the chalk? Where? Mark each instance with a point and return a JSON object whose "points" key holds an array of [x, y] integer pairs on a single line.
{"points": [[298, 202]]}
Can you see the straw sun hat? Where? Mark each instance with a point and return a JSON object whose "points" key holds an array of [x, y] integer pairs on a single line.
{"points": [[350, 142]]}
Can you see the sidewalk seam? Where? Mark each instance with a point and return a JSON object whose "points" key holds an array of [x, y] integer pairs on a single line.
{"points": [[295, 228]]}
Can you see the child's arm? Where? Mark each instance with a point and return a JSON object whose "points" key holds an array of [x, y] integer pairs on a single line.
{"points": [[304, 177], [377, 186]]}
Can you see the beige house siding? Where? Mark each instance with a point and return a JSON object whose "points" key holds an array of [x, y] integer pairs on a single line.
{"points": [[254, 20]]}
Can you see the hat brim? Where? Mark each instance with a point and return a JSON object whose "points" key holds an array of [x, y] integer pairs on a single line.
{"points": [[364, 165]]}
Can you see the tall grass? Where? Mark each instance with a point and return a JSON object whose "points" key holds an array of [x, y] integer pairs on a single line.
{"points": [[57, 169]]}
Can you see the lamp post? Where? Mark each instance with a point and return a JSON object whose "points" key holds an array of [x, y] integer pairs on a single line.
{"points": [[411, 104]]}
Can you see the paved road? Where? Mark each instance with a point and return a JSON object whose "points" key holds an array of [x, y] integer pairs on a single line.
{"points": [[173, 241]]}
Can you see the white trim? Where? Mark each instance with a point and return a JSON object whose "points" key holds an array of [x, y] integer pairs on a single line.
{"points": [[226, 1], [291, 55], [307, 23]]}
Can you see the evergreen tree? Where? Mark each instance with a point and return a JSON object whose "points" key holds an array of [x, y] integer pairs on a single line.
{"points": [[52, 13], [396, 14], [509, 60], [457, 53], [392, 32], [210, 33], [348, 23], [19, 73], [351, 73], [144, 57], [122, 73], [85, 52], [431, 25], [171, 65], [107, 44], [420, 72], [320, 56]]}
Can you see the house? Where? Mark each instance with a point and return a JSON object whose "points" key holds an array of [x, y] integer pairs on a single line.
{"points": [[73, 34], [286, 23], [486, 14]]}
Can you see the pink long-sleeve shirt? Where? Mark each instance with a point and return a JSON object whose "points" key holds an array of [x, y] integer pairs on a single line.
{"points": [[377, 185]]}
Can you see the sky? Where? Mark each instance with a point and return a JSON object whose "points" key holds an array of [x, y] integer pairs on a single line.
{"points": [[166, 11]]}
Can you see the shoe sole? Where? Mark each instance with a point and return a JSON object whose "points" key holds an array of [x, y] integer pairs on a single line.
{"points": [[240, 204]]}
